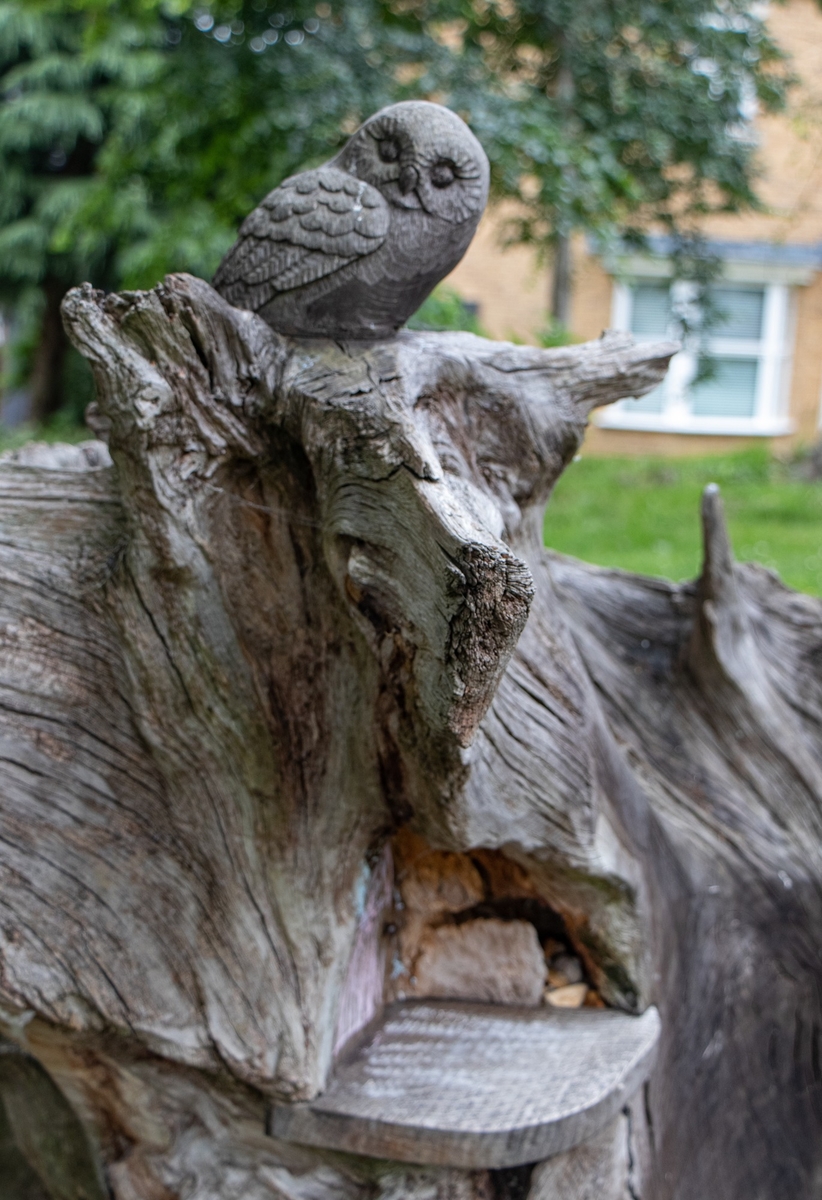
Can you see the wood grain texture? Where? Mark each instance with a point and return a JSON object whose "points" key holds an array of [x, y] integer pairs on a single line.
{"points": [[602, 1168], [477, 1085], [306, 610]]}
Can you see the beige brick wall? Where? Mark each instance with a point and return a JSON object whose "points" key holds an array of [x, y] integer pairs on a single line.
{"points": [[509, 284], [806, 368]]}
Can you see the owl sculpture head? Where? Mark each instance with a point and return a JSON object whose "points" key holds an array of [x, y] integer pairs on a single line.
{"points": [[352, 248], [421, 155]]}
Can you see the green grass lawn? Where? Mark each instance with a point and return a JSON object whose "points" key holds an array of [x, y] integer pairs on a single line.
{"points": [[63, 427], [642, 514]]}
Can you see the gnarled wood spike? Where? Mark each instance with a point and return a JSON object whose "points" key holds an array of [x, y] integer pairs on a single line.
{"points": [[724, 650], [721, 628]]}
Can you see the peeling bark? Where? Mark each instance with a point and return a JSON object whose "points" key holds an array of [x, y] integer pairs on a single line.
{"points": [[301, 625]]}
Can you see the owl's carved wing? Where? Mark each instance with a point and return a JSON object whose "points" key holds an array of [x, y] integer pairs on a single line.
{"points": [[308, 227]]}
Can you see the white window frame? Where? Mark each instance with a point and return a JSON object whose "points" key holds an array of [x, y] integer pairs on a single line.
{"points": [[773, 350]]}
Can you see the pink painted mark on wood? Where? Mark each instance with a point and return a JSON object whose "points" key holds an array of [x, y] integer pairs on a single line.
{"points": [[362, 993]]}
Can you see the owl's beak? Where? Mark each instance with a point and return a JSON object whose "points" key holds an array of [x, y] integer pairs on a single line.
{"points": [[409, 179]]}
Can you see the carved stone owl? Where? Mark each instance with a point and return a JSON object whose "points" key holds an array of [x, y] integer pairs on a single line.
{"points": [[352, 248]]}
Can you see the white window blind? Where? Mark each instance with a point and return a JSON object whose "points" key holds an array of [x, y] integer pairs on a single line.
{"points": [[747, 348]]}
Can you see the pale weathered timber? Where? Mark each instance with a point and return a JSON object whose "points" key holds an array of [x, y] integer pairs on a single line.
{"points": [[466, 1085], [293, 683]]}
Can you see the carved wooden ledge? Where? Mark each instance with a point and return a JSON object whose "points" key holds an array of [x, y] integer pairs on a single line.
{"points": [[472, 1085]]}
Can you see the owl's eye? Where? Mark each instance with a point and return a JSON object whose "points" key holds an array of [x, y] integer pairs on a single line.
{"points": [[389, 149], [443, 173]]}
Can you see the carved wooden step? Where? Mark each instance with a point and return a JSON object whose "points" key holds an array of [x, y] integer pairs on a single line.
{"points": [[473, 1085]]}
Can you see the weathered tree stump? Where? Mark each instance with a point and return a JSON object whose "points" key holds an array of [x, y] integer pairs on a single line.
{"points": [[295, 711]]}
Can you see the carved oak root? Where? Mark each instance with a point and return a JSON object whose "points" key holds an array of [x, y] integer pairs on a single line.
{"points": [[307, 608]]}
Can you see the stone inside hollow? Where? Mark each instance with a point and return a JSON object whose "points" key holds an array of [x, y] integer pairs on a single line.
{"points": [[564, 969], [570, 966], [571, 996], [498, 962]]}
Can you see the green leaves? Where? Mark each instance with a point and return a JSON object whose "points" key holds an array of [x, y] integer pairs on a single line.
{"points": [[136, 134], [23, 247], [68, 83], [647, 106], [446, 310], [41, 120]]}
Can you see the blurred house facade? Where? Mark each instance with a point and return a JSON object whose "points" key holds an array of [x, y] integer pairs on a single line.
{"points": [[767, 350]]}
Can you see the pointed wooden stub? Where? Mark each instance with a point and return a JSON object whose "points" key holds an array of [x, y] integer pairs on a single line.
{"points": [[472, 1085]]}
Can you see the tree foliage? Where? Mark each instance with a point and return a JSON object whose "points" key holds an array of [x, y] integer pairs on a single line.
{"points": [[64, 92], [136, 134], [614, 117]]}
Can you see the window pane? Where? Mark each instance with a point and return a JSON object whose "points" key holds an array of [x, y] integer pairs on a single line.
{"points": [[650, 309], [731, 392], [742, 309]]}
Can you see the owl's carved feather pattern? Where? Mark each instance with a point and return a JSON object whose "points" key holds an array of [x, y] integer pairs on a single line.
{"points": [[352, 248], [310, 226]]}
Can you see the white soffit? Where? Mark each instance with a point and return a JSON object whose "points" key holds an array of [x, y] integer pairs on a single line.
{"points": [[644, 266]]}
